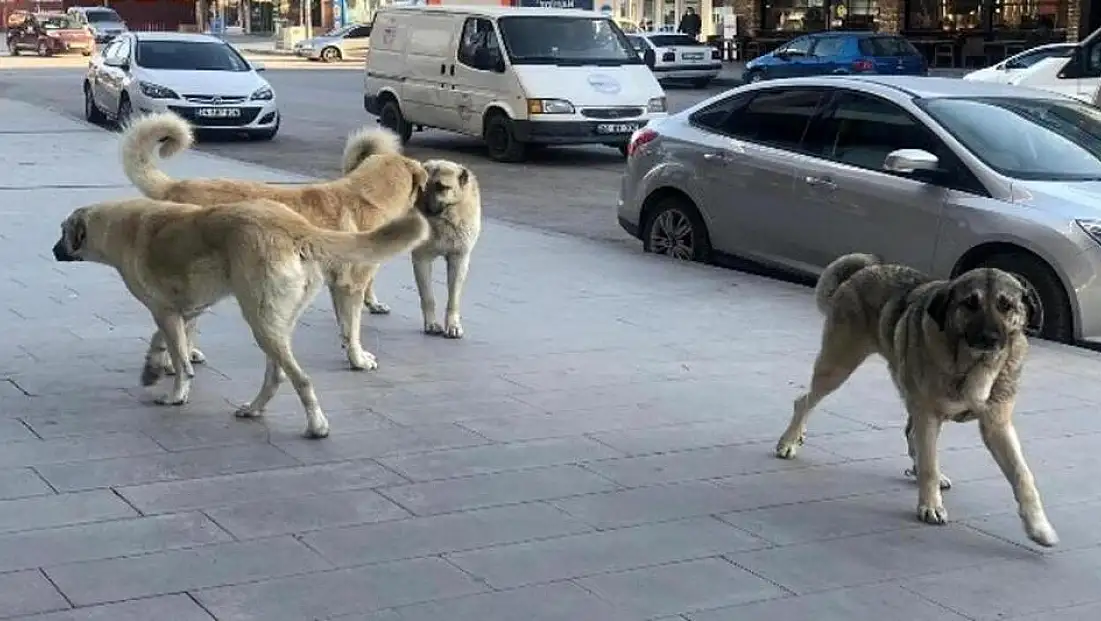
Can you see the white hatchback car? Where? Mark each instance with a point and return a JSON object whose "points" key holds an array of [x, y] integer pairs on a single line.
{"points": [[1003, 71], [201, 78], [676, 56]]}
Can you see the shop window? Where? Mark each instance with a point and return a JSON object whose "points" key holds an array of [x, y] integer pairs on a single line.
{"points": [[947, 15], [1030, 14], [816, 15]]}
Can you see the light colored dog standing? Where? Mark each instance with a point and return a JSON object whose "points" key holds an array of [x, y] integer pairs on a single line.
{"points": [[179, 260]]}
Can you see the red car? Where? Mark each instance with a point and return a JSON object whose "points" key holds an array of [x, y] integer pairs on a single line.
{"points": [[47, 34]]}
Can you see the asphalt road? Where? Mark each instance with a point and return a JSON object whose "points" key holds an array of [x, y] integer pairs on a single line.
{"points": [[571, 190]]}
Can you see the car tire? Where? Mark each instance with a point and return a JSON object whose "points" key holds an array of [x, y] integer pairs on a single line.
{"points": [[92, 113], [754, 76], [125, 111], [500, 138], [330, 54], [664, 232], [392, 119], [12, 50], [1056, 321], [43, 49], [86, 53], [701, 82]]}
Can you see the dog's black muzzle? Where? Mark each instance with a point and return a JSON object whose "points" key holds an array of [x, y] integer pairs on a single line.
{"points": [[62, 254], [983, 338]]}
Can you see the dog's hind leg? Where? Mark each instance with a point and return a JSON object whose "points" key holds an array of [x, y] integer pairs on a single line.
{"points": [[373, 305], [191, 327], [840, 355], [945, 482], [346, 286], [273, 376], [458, 265], [156, 360], [1000, 438], [175, 337], [422, 273]]}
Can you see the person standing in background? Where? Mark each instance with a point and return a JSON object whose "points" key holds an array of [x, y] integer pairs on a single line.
{"points": [[690, 23]]}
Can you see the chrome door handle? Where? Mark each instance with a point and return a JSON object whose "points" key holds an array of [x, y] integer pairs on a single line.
{"points": [[820, 182], [718, 156]]}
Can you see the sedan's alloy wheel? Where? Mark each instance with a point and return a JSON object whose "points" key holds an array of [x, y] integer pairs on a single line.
{"points": [[672, 235]]}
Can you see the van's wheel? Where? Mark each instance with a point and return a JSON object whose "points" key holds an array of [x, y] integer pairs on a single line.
{"points": [[330, 54], [500, 139], [125, 111], [391, 118], [92, 114], [43, 49], [12, 49], [1049, 314], [674, 228], [701, 82]]}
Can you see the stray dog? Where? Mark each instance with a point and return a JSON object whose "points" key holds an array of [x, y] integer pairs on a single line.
{"points": [[365, 198], [453, 206], [955, 350], [179, 260]]}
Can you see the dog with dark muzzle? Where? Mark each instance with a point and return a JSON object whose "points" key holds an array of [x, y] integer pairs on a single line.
{"points": [[955, 349]]}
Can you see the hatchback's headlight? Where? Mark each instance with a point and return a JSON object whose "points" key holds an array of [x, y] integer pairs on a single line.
{"points": [[156, 91], [657, 104], [549, 106], [263, 94]]}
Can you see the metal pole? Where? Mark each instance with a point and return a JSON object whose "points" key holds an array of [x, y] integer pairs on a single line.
{"points": [[308, 6]]}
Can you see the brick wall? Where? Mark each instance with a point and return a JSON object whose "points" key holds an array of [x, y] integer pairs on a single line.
{"points": [[891, 15], [749, 15], [1074, 18]]}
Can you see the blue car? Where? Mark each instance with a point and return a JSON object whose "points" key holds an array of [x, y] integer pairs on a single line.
{"points": [[838, 53]]}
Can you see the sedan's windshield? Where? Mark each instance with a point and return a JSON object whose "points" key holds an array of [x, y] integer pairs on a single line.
{"points": [[189, 56], [58, 22], [1030, 139], [102, 15], [339, 31], [566, 41]]}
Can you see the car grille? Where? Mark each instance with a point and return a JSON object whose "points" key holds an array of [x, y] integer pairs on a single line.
{"points": [[248, 115], [209, 99], [611, 113]]}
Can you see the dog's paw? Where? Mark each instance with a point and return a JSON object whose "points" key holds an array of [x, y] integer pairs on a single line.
{"points": [[433, 327], [151, 374], [932, 514], [788, 448], [171, 399], [945, 482], [454, 330], [1041, 532], [362, 360], [377, 308], [317, 430], [197, 356], [248, 411]]}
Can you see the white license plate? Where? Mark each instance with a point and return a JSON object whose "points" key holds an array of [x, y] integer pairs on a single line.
{"points": [[219, 113], [616, 128], [697, 56]]}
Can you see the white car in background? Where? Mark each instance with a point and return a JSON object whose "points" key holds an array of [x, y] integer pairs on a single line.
{"points": [[201, 78], [351, 41], [1011, 67], [679, 57]]}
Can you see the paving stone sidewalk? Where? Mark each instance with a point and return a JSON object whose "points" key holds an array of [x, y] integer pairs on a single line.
{"points": [[597, 449]]}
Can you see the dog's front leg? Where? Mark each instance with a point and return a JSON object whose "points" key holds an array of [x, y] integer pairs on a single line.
{"points": [[422, 273], [926, 431], [1000, 438], [458, 264], [175, 337]]}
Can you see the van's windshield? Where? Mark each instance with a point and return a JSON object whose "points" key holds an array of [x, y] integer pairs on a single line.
{"points": [[565, 41]]}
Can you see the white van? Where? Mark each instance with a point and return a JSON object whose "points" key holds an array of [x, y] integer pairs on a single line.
{"points": [[1076, 73], [514, 76]]}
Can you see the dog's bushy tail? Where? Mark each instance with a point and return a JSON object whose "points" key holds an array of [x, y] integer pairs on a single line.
{"points": [[165, 134], [397, 236], [365, 142], [836, 273]]}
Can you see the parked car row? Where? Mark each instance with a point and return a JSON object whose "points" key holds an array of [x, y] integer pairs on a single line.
{"points": [[46, 33]]}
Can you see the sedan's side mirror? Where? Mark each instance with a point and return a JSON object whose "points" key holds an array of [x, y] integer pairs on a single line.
{"points": [[258, 67], [909, 161]]}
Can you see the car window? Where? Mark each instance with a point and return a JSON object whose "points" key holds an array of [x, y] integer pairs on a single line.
{"points": [[887, 46], [669, 40], [102, 15], [637, 43], [861, 130], [828, 46], [110, 49], [798, 46], [1034, 56], [713, 117], [360, 32], [122, 51], [189, 56], [775, 117], [478, 47]]}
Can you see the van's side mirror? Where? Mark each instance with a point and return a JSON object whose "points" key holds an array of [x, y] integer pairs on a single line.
{"points": [[1075, 66]]}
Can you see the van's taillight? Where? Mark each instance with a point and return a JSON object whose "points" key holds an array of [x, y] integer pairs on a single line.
{"points": [[668, 57], [863, 65], [640, 138]]}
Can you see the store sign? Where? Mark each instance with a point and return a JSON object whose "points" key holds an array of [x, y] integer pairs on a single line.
{"points": [[586, 5]]}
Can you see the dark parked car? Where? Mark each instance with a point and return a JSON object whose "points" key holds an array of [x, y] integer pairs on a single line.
{"points": [[838, 53], [47, 34]]}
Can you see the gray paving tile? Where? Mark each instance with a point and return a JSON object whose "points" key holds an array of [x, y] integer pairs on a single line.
{"points": [[380, 442], [593, 553], [994, 590], [420, 412], [62, 510], [236, 488], [327, 594], [1085, 612], [28, 592], [855, 561], [278, 516], [566, 422], [163, 425], [426, 536], [561, 601], [12, 430], [657, 503], [102, 581], [166, 607], [20, 483], [164, 467], [880, 601], [38, 452], [496, 489], [492, 458], [116, 538], [681, 587], [1075, 523]]}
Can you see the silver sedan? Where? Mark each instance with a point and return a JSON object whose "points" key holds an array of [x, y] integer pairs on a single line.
{"points": [[940, 174]]}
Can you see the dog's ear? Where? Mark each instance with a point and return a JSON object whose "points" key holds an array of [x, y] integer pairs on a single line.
{"points": [[938, 306], [464, 177]]}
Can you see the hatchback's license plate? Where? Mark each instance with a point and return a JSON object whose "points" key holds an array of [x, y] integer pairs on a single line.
{"points": [[698, 56], [219, 113], [616, 128]]}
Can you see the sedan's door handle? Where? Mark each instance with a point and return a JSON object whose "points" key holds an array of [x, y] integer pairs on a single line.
{"points": [[718, 157], [820, 182]]}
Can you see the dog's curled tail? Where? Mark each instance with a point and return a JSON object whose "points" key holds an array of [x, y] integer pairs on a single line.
{"points": [[163, 133], [397, 236], [836, 273], [365, 142]]}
